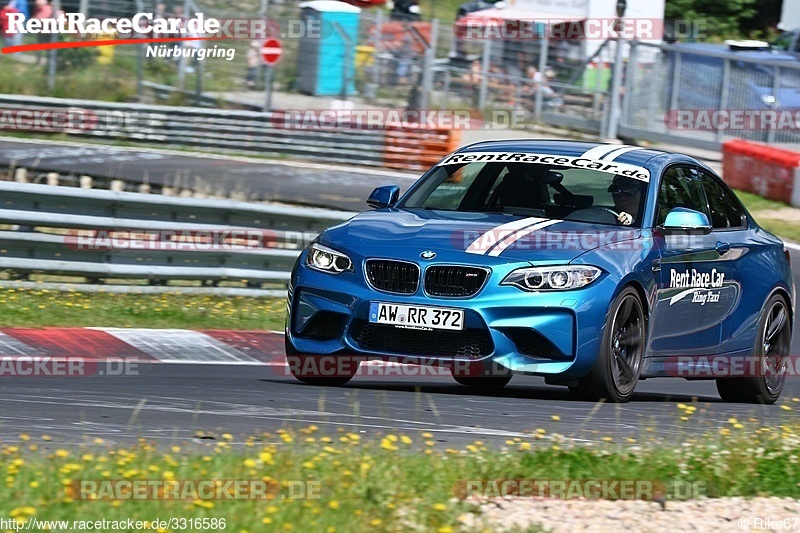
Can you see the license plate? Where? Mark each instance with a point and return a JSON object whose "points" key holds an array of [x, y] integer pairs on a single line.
{"points": [[416, 316]]}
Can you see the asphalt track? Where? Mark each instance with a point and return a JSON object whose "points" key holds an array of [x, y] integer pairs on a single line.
{"points": [[294, 182], [180, 402]]}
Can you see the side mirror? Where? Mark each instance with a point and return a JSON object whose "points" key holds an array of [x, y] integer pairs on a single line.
{"points": [[385, 196], [684, 221]]}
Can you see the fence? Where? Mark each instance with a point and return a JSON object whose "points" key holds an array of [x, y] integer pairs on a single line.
{"points": [[98, 234], [424, 65], [686, 95]]}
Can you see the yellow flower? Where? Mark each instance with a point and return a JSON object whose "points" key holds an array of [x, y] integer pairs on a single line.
{"points": [[227, 436], [386, 444], [732, 421], [267, 520], [333, 504], [391, 437], [24, 437], [376, 522], [46, 437], [445, 529], [427, 435], [681, 406], [34, 484], [440, 507], [62, 453], [265, 456], [308, 464], [525, 446], [786, 408], [556, 418], [204, 503], [249, 463], [405, 439]]}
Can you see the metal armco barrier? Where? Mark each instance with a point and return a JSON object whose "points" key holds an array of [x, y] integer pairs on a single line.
{"points": [[99, 234], [236, 131], [770, 172]]}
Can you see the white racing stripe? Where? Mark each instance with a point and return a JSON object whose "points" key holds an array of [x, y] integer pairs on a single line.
{"points": [[485, 242], [511, 239], [599, 151]]}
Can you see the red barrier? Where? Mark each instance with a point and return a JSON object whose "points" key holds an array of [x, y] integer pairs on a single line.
{"points": [[773, 173], [417, 149]]}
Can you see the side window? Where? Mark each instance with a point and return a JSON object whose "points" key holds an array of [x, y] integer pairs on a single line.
{"points": [[679, 189], [725, 209]]}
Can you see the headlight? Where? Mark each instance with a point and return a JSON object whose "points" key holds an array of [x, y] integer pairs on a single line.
{"points": [[768, 99], [555, 278], [327, 260]]}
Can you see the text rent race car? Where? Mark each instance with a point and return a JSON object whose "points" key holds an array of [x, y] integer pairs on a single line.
{"points": [[592, 265]]}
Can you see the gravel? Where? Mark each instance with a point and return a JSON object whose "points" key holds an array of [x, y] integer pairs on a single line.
{"points": [[714, 515]]}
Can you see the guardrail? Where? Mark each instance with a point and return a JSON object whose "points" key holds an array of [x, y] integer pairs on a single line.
{"points": [[99, 235], [277, 133]]}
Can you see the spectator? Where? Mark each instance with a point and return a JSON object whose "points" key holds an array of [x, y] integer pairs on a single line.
{"points": [[9, 38], [42, 11]]}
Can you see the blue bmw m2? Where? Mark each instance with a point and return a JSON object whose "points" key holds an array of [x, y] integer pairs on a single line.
{"points": [[593, 265]]}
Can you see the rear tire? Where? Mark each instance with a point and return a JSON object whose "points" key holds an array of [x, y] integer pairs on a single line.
{"points": [[619, 362], [773, 340], [308, 372]]}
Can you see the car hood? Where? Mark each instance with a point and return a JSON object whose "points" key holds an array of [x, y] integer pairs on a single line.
{"points": [[470, 237]]}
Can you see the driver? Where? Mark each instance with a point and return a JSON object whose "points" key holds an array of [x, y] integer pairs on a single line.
{"points": [[627, 194]]}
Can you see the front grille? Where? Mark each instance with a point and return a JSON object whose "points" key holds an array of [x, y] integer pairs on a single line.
{"points": [[454, 280], [398, 277], [468, 343]]}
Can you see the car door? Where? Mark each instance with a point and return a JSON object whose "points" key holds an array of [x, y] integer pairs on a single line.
{"points": [[729, 224], [687, 314]]}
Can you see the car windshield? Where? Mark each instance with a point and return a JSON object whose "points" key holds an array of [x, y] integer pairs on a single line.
{"points": [[532, 190]]}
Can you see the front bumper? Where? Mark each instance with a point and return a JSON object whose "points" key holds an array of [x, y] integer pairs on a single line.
{"points": [[547, 333]]}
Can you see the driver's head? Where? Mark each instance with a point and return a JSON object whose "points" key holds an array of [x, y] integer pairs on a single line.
{"points": [[627, 194]]}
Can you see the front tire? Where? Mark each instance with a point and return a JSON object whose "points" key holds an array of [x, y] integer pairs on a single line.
{"points": [[773, 340], [619, 362]]}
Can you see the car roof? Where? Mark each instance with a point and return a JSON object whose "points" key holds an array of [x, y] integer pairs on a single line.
{"points": [[631, 155]]}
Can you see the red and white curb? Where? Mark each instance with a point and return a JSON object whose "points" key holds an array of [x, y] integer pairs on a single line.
{"points": [[146, 345]]}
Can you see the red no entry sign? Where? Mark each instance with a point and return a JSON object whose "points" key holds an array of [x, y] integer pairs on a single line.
{"points": [[271, 51]]}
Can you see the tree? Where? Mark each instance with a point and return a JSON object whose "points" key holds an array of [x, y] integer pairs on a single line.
{"points": [[726, 19]]}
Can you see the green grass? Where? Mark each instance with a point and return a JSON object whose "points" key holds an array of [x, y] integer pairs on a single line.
{"points": [[387, 483], [41, 308], [764, 211]]}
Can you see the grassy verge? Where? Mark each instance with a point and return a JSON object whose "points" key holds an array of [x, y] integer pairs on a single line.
{"points": [[772, 216], [393, 482], [40, 308]]}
